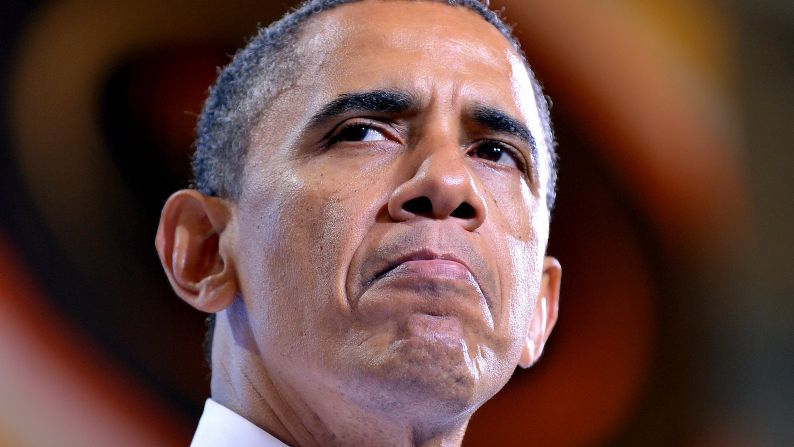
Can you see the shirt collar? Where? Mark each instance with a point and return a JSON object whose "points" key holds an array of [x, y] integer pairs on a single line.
{"points": [[222, 427]]}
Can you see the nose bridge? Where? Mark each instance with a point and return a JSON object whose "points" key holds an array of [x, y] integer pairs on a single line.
{"points": [[437, 145], [441, 159]]}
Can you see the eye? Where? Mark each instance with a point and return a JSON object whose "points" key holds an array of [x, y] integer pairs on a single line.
{"points": [[496, 152], [357, 132]]}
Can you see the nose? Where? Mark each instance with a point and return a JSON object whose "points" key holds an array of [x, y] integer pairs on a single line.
{"points": [[441, 187]]}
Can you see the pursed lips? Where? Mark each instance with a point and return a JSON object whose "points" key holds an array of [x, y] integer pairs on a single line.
{"points": [[428, 265]]}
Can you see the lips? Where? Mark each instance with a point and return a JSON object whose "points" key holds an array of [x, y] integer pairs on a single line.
{"points": [[425, 263], [398, 279]]}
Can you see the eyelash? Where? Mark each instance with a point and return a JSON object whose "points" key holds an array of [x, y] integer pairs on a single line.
{"points": [[336, 133]]}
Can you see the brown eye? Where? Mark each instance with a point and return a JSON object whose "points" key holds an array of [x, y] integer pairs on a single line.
{"points": [[496, 153], [358, 132]]}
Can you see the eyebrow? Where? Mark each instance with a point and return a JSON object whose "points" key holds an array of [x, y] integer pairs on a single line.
{"points": [[500, 122], [390, 102]]}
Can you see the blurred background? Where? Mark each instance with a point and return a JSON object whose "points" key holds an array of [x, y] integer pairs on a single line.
{"points": [[673, 225]]}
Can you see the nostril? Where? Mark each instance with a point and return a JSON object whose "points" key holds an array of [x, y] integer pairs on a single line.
{"points": [[464, 211], [420, 206]]}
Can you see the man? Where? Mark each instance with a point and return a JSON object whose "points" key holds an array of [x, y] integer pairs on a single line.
{"points": [[374, 182]]}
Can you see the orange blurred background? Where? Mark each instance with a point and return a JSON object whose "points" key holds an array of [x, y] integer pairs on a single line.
{"points": [[673, 221]]}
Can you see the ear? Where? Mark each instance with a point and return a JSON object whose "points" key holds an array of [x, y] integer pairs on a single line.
{"points": [[190, 244], [544, 315]]}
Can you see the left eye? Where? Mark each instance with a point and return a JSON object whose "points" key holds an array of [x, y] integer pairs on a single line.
{"points": [[358, 132], [496, 153]]}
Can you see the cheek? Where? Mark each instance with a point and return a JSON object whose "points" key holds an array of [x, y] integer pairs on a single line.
{"points": [[527, 264], [299, 229], [339, 205], [268, 272], [528, 218], [512, 208], [520, 285], [523, 221]]}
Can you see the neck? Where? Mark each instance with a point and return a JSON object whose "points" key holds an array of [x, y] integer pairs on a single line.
{"points": [[302, 414]]}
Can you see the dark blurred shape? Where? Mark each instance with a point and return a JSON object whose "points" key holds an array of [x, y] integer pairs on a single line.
{"points": [[57, 390], [148, 114], [100, 100]]}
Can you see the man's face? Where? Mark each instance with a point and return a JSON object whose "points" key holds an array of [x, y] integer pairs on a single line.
{"points": [[392, 224]]}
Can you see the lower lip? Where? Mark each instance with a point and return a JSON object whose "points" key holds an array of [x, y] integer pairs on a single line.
{"points": [[434, 290]]}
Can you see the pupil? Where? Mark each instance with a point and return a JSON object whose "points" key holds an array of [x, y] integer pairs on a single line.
{"points": [[490, 152], [354, 133]]}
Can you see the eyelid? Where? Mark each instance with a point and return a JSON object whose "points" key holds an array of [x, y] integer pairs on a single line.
{"points": [[375, 124], [517, 154]]}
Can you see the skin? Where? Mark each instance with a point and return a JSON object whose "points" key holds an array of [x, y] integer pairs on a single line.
{"points": [[383, 271]]}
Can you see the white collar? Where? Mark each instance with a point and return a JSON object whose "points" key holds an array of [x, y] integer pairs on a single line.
{"points": [[222, 427]]}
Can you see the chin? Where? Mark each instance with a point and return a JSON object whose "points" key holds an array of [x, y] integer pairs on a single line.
{"points": [[426, 377]]}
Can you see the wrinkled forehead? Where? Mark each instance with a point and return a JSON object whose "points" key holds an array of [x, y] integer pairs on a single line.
{"points": [[388, 44]]}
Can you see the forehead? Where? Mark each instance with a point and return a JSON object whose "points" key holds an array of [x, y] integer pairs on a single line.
{"points": [[416, 45], [411, 24]]}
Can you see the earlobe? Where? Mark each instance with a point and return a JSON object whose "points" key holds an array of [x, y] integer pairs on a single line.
{"points": [[544, 316], [190, 243]]}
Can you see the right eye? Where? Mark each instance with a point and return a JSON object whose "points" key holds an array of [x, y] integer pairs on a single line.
{"points": [[357, 132]]}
